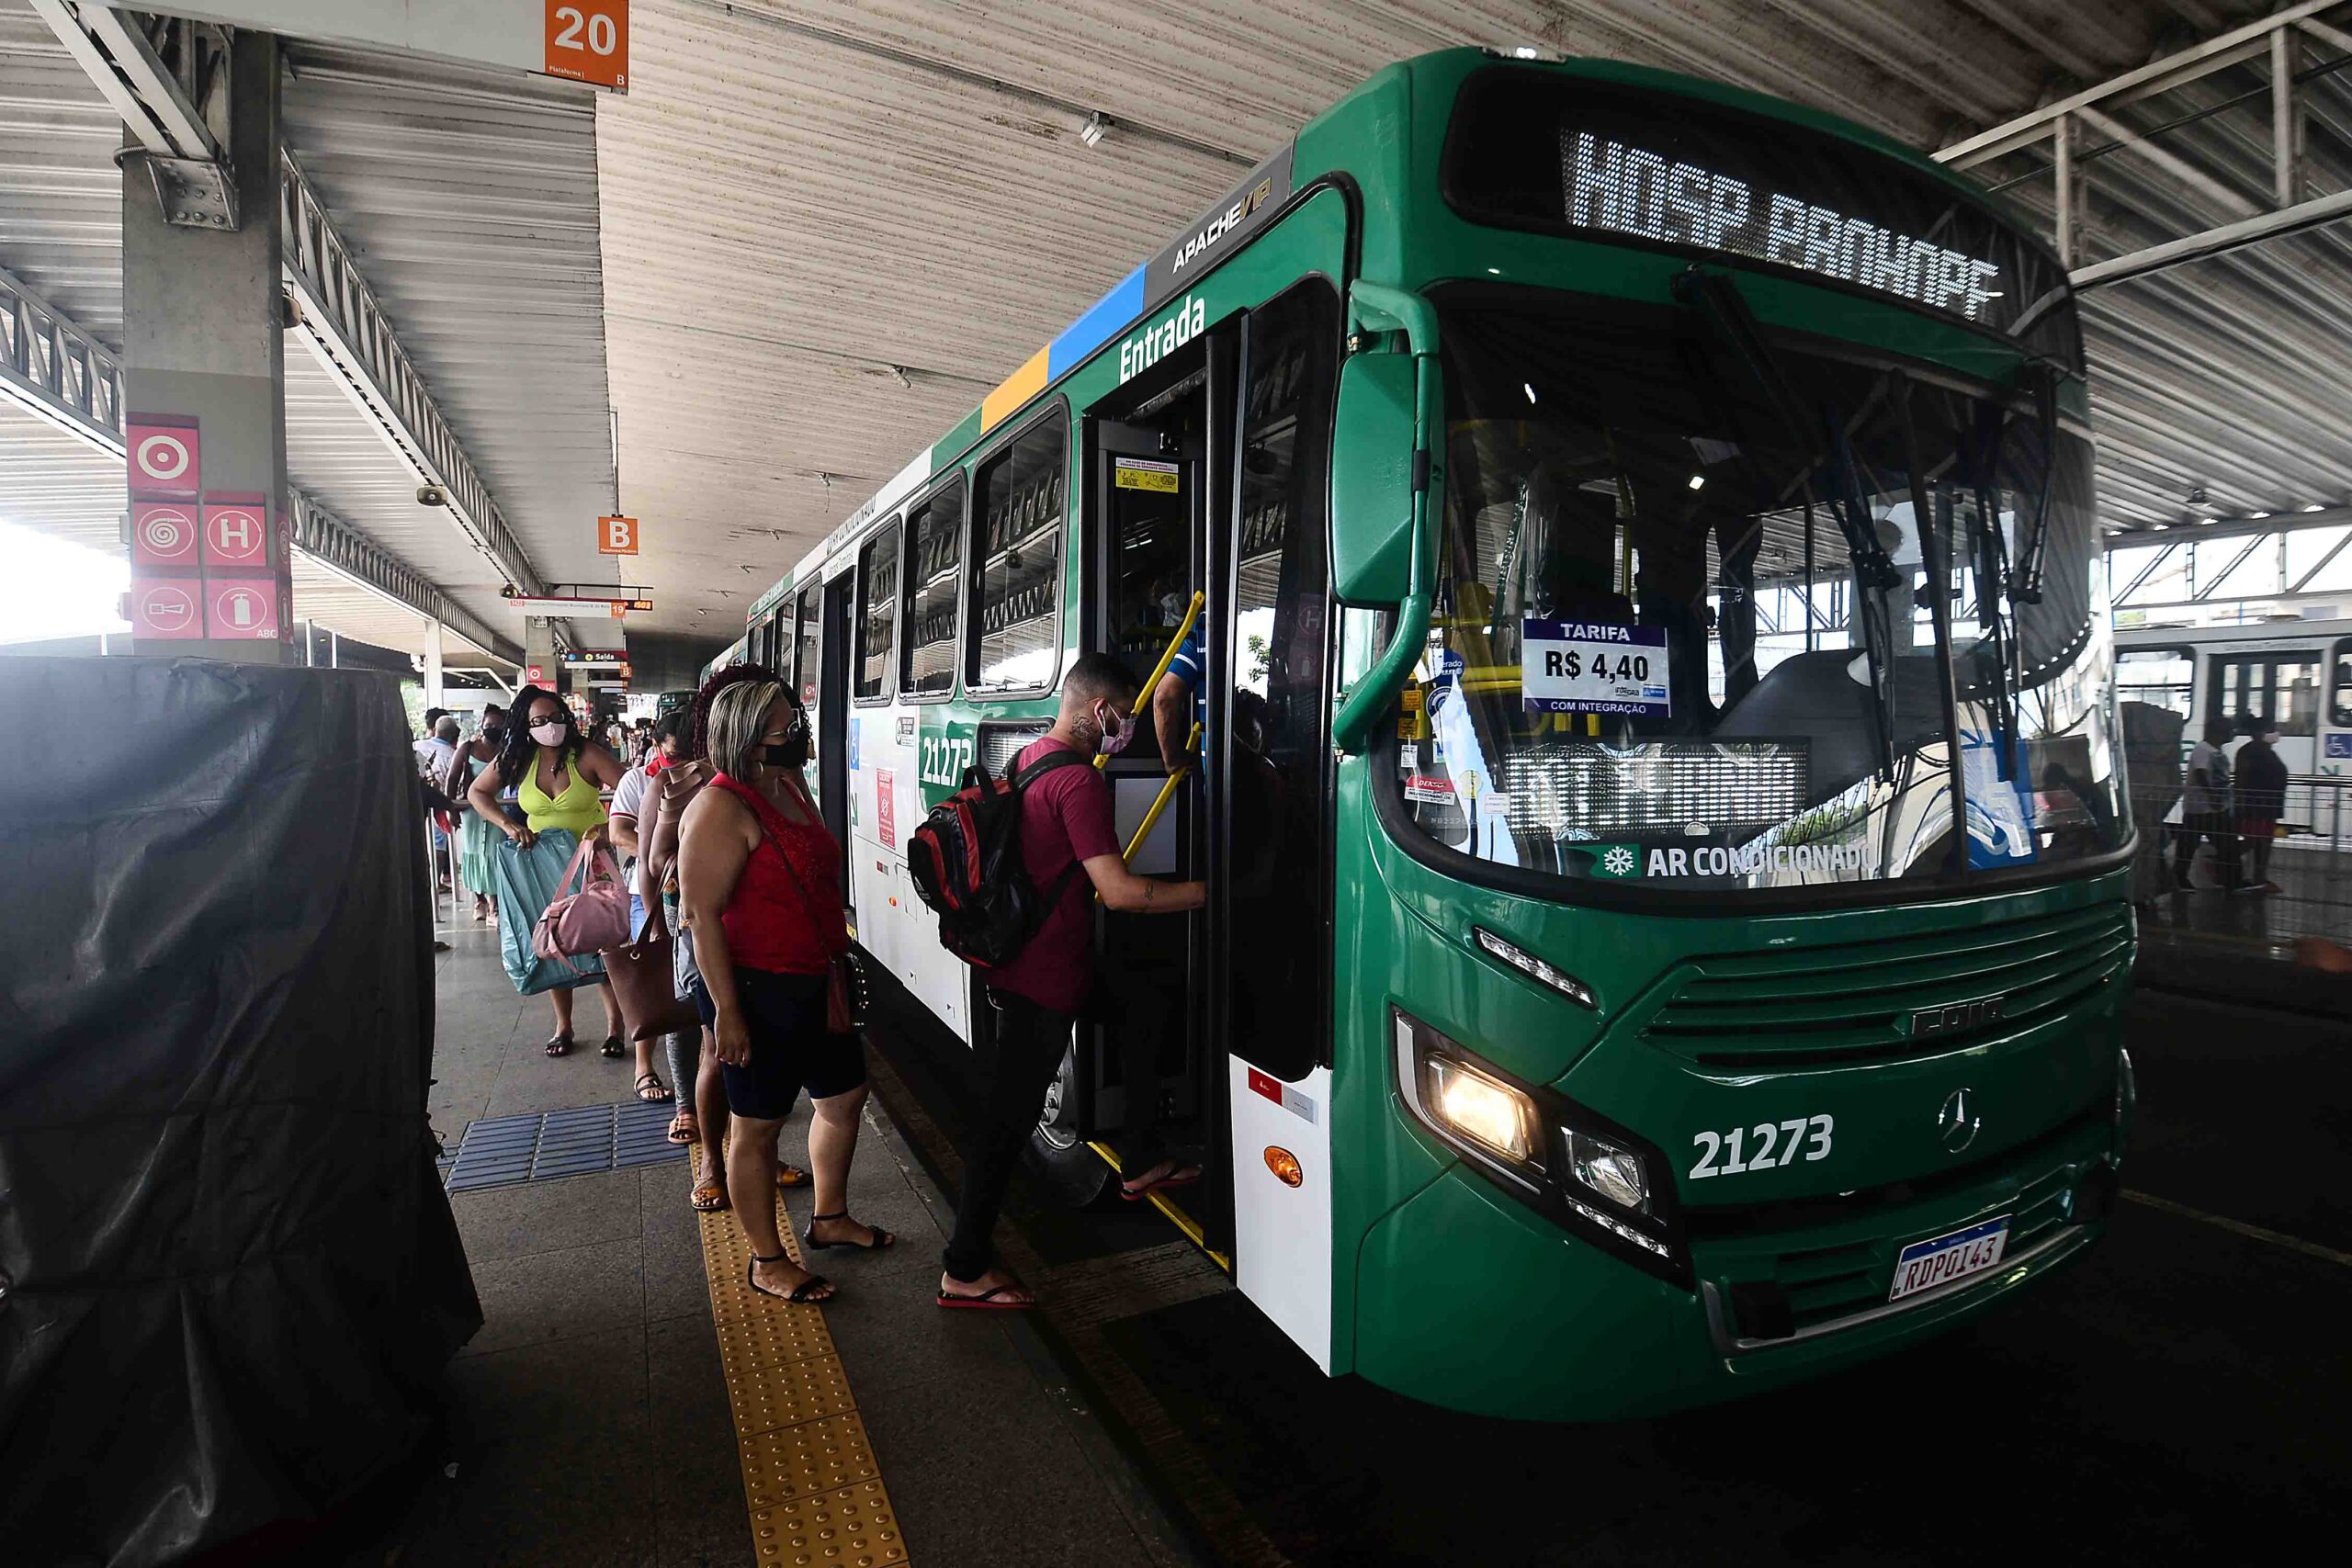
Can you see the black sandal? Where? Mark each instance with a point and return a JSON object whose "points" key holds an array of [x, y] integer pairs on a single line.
{"points": [[799, 1294], [613, 1046], [882, 1238], [559, 1045], [661, 1099]]}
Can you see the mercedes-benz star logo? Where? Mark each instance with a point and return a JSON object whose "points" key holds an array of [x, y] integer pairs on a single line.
{"points": [[1957, 1123]]}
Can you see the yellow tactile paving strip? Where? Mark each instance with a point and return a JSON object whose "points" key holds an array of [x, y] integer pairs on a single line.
{"points": [[816, 1497]]}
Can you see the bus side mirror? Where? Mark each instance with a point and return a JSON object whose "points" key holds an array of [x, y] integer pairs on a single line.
{"points": [[1372, 480]]}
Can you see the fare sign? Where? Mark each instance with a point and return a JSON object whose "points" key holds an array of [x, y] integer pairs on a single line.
{"points": [[1594, 667]]}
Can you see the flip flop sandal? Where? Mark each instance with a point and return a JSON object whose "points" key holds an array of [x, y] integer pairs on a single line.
{"points": [[709, 1198], [613, 1046], [799, 1293], [1182, 1175], [987, 1302], [882, 1238], [790, 1175], [654, 1080], [684, 1128], [559, 1045]]}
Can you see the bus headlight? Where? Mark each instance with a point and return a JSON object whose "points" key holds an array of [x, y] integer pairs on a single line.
{"points": [[1600, 1182], [1618, 1175], [1483, 1109]]}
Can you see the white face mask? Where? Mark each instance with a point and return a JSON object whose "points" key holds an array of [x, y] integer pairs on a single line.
{"points": [[549, 734]]}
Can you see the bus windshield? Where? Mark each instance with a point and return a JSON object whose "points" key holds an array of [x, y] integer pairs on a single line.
{"points": [[1628, 678]]}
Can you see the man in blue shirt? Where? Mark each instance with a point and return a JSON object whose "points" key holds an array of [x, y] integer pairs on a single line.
{"points": [[1187, 677]]}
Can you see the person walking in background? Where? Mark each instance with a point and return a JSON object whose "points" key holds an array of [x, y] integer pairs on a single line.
{"points": [[2261, 801], [556, 773], [475, 839], [632, 821], [1067, 827], [434, 753], [2205, 809], [760, 883]]}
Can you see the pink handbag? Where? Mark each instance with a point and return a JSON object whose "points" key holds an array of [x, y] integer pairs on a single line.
{"points": [[590, 920]]}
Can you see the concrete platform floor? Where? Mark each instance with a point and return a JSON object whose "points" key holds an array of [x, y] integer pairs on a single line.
{"points": [[588, 1421]]}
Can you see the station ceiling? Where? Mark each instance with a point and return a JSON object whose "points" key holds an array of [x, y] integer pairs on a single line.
{"points": [[832, 225], [822, 229]]}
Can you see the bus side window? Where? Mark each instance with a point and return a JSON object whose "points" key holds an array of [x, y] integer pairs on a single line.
{"points": [[877, 614], [935, 581], [2277, 690], [1017, 513], [2161, 677], [809, 648], [2339, 702]]}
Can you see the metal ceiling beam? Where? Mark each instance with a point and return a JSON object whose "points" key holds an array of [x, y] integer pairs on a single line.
{"points": [[53, 368], [2157, 76], [168, 78], [2253, 527], [2216, 241], [338, 315], [330, 542]]}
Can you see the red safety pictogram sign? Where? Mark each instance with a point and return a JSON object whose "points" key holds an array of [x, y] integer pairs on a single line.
{"points": [[162, 533], [241, 606], [617, 536], [165, 455], [167, 607], [535, 675], [236, 531]]}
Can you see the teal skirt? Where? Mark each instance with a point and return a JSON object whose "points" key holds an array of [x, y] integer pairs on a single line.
{"points": [[477, 844], [526, 881]]}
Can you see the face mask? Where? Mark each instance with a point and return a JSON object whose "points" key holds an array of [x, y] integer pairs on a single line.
{"points": [[1114, 741], [548, 734]]}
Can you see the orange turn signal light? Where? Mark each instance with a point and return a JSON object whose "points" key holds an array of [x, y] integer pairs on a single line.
{"points": [[1284, 1165]]}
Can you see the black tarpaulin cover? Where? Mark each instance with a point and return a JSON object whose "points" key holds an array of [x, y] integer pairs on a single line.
{"points": [[231, 1275]]}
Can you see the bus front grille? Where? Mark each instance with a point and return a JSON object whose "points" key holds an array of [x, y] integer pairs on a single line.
{"points": [[1913, 995]]}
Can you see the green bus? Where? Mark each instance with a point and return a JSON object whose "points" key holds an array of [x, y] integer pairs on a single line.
{"points": [[1669, 932]]}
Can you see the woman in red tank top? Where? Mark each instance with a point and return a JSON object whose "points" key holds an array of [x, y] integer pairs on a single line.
{"points": [[759, 881]]}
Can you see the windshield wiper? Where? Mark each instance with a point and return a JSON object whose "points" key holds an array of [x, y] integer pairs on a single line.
{"points": [[2026, 587], [1935, 556], [1713, 296]]}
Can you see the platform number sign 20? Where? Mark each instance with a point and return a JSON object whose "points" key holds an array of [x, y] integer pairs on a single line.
{"points": [[588, 42]]}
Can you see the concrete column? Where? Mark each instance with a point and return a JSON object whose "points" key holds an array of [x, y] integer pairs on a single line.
{"points": [[202, 355], [433, 693]]}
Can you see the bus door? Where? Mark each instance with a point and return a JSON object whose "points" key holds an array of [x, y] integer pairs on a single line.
{"points": [[824, 661], [1148, 458], [1270, 897]]}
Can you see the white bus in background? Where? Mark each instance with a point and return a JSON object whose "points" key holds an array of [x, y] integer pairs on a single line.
{"points": [[2296, 673]]}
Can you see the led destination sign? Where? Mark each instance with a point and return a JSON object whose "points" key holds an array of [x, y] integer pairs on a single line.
{"points": [[1627, 163], [1634, 191]]}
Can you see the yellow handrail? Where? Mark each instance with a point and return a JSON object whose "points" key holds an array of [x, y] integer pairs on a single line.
{"points": [[1167, 656]]}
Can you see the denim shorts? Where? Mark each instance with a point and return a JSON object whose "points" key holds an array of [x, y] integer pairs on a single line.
{"points": [[791, 1047]]}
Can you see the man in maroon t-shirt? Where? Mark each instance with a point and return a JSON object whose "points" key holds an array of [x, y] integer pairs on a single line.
{"points": [[1065, 829]]}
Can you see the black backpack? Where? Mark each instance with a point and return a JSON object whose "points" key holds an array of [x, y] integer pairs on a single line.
{"points": [[966, 865]]}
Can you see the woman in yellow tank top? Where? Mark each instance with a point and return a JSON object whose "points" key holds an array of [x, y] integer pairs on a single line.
{"points": [[556, 773]]}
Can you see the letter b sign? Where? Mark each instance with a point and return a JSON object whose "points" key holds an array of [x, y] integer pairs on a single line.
{"points": [[617, 536]]}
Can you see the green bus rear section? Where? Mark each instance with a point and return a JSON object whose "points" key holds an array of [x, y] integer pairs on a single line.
{"points": [[1444, 1287]]}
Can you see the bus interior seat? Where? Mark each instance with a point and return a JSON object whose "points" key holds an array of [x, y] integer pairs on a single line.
{"points": [[1812, 695]]}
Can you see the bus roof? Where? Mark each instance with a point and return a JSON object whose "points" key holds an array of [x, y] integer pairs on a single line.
{"points": [[1204, 243]]}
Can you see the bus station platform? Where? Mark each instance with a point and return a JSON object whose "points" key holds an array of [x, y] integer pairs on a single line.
{"points": [[626, 1401]]}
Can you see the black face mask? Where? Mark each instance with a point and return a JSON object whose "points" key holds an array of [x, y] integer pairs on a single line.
{"points": [[792, 753]]}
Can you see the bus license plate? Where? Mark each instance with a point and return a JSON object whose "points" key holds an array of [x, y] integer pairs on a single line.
{"points": [[1941, 1260]]}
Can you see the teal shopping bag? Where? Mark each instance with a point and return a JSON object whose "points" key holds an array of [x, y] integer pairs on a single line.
{"points": [[527, 881]]}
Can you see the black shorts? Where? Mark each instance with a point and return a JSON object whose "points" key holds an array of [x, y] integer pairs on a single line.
{"points": [[791, 1047]]}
